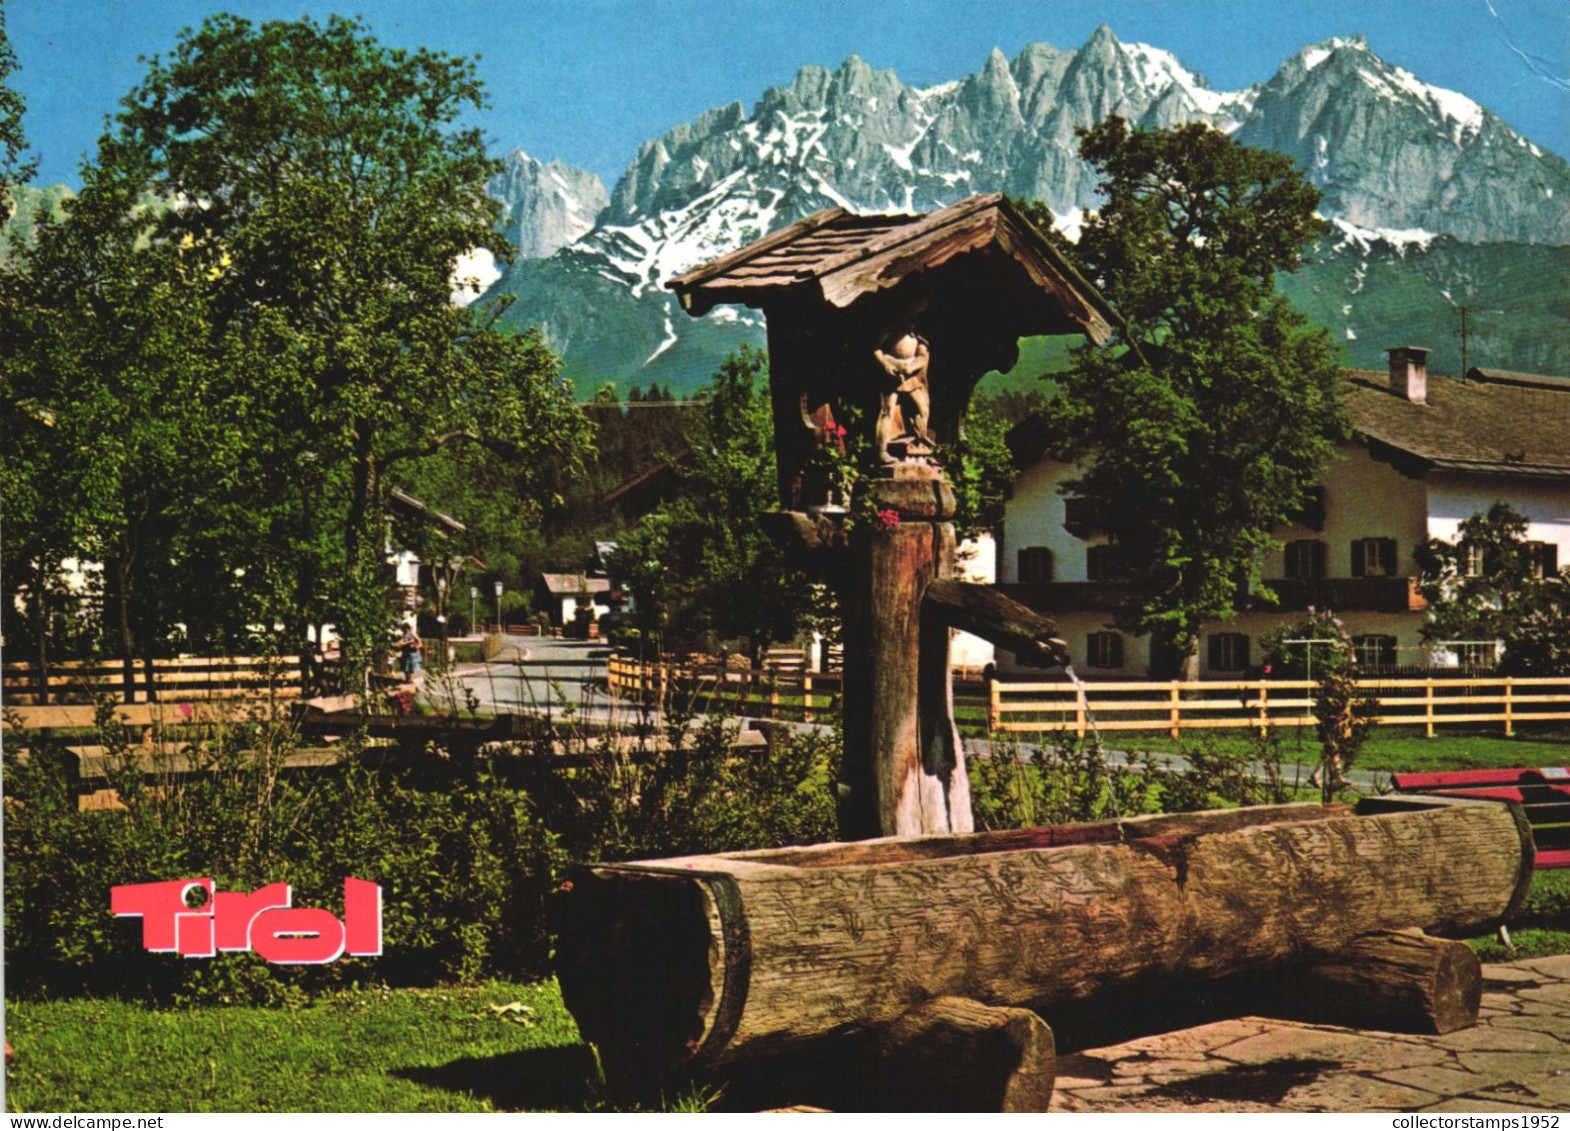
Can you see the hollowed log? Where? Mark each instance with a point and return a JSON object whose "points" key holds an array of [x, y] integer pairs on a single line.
{"points": [[707, 959]]}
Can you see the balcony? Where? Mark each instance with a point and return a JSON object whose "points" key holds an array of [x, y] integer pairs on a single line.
{"points": [[1068, 596], [1343, 594]]}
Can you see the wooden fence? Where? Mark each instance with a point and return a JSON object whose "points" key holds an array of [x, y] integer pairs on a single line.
{"points": [[1177, 706], [776, 690], [198, 678]]}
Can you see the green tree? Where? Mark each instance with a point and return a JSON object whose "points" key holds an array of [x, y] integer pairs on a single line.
{"points": [[318, 192], [1209, 415], [13, 141], [703, 567], [1490, 583]]}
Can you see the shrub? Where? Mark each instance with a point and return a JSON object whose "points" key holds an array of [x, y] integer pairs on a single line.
{"points": [[1059, 782], [1216, 777], [465, 868]]}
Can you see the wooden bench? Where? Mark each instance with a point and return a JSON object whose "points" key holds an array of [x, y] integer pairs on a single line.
{"points": [[1544, 794]]}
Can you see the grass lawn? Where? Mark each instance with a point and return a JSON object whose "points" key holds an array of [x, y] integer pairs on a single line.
{"points": [[369, 1050], [1389, 749], [1543, 925]]}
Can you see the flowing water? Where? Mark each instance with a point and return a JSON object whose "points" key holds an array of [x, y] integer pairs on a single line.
{"points": [[1084, 703]]}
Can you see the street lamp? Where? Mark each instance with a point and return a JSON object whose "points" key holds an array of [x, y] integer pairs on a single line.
{"points": [[474, 596], [499, 606]]}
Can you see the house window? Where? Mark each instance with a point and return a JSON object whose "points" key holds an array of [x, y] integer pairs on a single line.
{"points": [[1228, 652], [1035, 565], [1311, 512], [1305, 559], [1374, 652], [1473, 654], [1374, 557], [1104, 563], [1078, 516], [1104, 650], [1544, 557], [1470, 559]]}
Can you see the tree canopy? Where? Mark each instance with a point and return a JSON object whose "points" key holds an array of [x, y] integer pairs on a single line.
{"points": [[703, 566], [257, 277], [1206, 419], [1492, 584]]}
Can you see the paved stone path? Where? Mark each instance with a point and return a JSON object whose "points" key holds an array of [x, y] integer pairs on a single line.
{"points": [[1517, 1058]]}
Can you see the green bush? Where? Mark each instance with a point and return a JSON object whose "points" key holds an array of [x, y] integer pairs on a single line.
{"points": [[1217, 776], [465, 869], [465, 856], [1059, 782], [697, 792]]}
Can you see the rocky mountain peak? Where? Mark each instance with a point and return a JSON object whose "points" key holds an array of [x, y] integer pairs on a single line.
{"points": [[546, 206], [1390, 153]]}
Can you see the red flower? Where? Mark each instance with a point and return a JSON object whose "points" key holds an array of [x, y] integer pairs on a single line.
{"points": [[888, 519]]}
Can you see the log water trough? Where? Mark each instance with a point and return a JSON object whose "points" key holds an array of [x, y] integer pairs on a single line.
{"points": [[676, 964]]}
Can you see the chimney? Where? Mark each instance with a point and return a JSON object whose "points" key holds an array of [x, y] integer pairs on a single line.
{"points": [[1409, 373]]}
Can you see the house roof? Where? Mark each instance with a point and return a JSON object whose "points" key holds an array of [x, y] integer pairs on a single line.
{"points": [[574, 584], [1498, 423], [838, 257], [679, 458]]}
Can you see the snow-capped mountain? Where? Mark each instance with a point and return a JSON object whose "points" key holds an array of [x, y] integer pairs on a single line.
{"points": [[547, 206], [1389, 151]]}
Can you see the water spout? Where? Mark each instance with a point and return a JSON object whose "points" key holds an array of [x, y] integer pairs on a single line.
{"points": [[1084, 705]]}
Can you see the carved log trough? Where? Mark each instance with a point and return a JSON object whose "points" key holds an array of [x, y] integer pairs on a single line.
{"points": [[682, 963]]}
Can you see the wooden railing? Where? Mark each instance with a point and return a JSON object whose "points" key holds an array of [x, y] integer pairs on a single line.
{"points": [[767, 692], [1177, 706], [174, 680], [777, 690]]}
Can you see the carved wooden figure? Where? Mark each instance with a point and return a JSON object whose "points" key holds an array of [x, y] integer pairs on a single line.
{"points": [[879, 328]]}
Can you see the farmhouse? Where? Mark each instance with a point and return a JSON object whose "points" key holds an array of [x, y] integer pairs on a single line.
{"points": [[1430, 452]]}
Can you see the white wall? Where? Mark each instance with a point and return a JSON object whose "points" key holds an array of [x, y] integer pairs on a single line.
{"points": [[978, 558], [1033, 516], [1454, 497], [1364, 498]]}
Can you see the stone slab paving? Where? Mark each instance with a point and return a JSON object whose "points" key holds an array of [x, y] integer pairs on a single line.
{"points": [[1517, 1058]]}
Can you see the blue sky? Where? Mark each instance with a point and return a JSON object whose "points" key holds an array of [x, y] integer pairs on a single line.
{"points": [[588, 80]]}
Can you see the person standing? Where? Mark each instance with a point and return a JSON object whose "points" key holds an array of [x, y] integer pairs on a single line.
{"points": [[409, 648]]}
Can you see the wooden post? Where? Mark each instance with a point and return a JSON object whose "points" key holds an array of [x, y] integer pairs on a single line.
{"points": [[905, 767], [806, 695], [1264, 709], [1428, 706], [1176, 712], [1509, 719], [994, 704]]}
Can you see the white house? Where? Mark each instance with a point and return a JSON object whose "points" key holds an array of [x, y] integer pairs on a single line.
{"points": [[1430, 452]]}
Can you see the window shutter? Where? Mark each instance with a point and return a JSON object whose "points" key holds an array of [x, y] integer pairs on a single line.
{"points": [[1391, 562], [1215, 653], [1115, 650], [1317, 556], [1548, 555], [1240, 659], [1358, 567]]}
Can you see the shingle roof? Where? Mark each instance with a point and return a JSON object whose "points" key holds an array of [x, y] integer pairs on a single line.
{"points": [[570, 584], [838, 257], [1498, 424]]}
